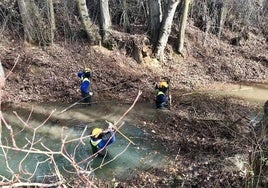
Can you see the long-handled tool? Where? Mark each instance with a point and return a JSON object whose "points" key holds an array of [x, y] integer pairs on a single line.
{"points": [[169, 95], [64, 110], [117, 130]]}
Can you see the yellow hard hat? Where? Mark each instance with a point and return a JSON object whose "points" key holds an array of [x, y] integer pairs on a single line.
{"points": [[163, 84], [87, 70], [96, 132]]}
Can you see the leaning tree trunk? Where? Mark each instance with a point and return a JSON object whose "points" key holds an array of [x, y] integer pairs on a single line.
{"points": [[155, 18], [165, 29], [90, 28], [183, 26], [35, 24]]}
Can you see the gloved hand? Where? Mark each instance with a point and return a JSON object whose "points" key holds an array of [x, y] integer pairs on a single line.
{"points": [[110, 125], [90, 93]]}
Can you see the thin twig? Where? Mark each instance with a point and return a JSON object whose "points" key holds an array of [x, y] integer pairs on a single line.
{"points": [[112, 158], [139, 93], [16, 61]]}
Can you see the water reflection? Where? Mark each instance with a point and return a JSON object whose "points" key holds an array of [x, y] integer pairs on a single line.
{"points": [[81, 119], [146, 153]]}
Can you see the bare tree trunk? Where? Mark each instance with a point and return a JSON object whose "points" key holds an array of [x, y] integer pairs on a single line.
{"points": [[2, 84], [90, 28], [183, 25], [125, 17], [222, 17], [105, 19], [155, 18], [34, 24], [166, 28], [39, 31], [26, 21], [52, 20]]}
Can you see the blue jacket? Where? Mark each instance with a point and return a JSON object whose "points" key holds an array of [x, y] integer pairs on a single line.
{"points": [[85, 83], [161, 100], [106, 140]]}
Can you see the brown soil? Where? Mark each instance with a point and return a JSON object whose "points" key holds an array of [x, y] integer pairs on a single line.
{"points": [[203, 133]]}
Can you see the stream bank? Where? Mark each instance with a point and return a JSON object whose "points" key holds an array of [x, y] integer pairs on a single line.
{"points": [[206, 136], [201, 131]]}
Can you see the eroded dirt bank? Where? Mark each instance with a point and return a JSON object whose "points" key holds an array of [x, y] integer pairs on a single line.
{"points": [[49, 73]]}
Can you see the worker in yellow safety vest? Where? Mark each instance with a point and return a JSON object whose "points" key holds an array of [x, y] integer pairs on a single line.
{"points": [[100, 139], [161, 96]]}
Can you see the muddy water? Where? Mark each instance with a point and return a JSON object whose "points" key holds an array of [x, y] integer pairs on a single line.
{"points": [[251, 92], [126, 159], [255, 93]]}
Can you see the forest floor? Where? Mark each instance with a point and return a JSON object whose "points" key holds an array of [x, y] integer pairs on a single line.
{"points": [[205, 134]]}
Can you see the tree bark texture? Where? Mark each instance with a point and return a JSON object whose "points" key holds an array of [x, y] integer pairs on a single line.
{"points": [[34, 24], [182, 26], [125, 17], [26, 21], [105, 19], [51, 19], [166, 28], [155, 18], [90, 28], [2, 84]]}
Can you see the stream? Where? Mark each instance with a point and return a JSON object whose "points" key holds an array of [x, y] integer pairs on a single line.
{"points": [[257, 92], [125, 159]]}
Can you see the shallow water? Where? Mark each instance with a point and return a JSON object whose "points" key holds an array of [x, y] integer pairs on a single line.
{"points": [[251, 92], [127, 160]]}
